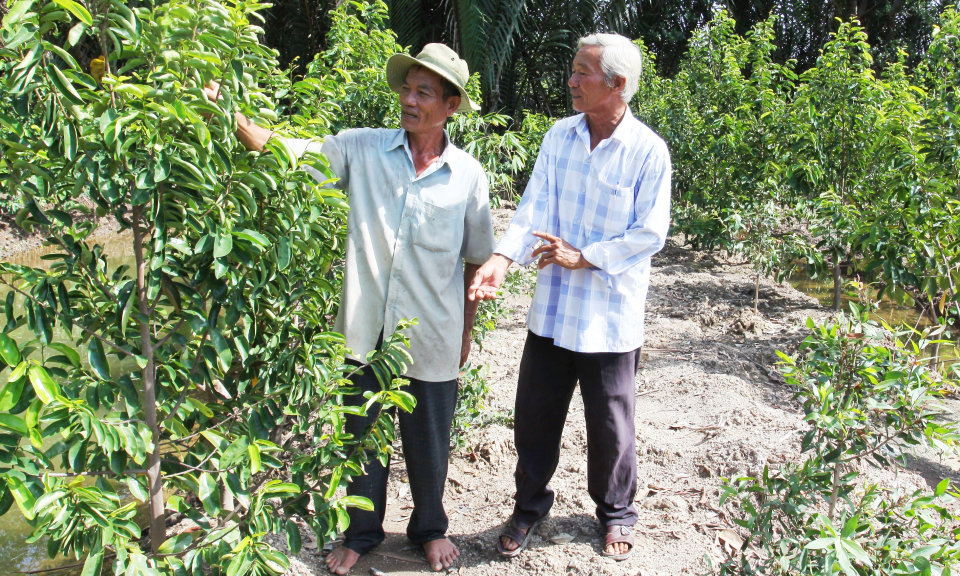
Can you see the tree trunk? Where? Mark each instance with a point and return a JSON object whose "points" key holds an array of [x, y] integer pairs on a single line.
{"points": [[756, 295], [834, 496], [158, 527], [935, 356], [837, 280]]}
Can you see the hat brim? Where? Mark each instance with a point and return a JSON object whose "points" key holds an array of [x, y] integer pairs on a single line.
{"points": [[399, 64]]}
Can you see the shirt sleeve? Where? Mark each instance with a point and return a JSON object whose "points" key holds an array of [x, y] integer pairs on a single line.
{"points": [[478, 224], [301, 146], [646, 236], [336, 148], [532, 214]]}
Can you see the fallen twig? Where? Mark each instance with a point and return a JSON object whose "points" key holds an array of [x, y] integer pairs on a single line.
{"points": [[400, 557]]}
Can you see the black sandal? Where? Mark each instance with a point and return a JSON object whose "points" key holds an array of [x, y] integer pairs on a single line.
{"points": [[514, 532]]}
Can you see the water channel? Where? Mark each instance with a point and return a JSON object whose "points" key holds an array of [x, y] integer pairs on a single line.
{"points": [[14, 530]]}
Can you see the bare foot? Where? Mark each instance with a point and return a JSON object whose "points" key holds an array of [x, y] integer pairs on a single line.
{"points": [[341, 560], [441, 553], [618, 532], [509, 544], [617, 548]]}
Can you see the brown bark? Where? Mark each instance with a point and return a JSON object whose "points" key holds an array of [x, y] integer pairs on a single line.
{"points": [[158, 527]]}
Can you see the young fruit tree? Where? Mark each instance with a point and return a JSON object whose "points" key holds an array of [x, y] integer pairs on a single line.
{"points": [[203, 377]]}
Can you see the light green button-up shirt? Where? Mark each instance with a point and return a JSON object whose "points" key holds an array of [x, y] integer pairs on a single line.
{"points": [[407, 239]]}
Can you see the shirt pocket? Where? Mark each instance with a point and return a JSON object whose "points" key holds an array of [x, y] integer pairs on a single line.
{"points": [[614, 209], [438, 229]]}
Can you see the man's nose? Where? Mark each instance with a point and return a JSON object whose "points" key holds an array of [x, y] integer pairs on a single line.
{"points": [[573, 82], [407, 99]]}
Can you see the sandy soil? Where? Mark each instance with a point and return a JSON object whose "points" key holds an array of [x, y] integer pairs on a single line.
{"points": [[710, 404], [14, 240]]}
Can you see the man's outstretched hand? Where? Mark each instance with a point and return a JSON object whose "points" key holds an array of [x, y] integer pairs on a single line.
{"points": [[488, 278], [252, 137], [212, 90], [556, 250]]}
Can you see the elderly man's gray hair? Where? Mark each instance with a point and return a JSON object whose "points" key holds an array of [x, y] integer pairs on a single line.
{"points": [[620, 57]]}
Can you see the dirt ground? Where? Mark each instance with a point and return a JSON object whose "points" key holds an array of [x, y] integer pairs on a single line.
{"points": [[15, 241], [710, 404]]}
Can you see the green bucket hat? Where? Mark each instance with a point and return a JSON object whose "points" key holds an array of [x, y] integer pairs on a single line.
{"points": [[438, 58]]}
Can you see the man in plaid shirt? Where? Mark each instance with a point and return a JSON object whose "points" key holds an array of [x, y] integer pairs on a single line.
{"points": [[597, 207]]}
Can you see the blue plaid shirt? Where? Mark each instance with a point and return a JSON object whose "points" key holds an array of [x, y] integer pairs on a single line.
{"points": [[613, 204]]}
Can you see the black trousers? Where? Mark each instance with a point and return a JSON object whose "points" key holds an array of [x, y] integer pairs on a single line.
{"points": [[425, 435], [548, 376]]}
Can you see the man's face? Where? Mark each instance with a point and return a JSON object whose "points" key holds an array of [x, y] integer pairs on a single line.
{"points": [[587, 84], [422, 107]]}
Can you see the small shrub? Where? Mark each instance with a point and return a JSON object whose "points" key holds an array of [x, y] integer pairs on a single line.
{"points": [[869, 397]]}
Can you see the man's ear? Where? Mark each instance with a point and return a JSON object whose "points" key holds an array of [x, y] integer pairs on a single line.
{"points": [[453, 103]]}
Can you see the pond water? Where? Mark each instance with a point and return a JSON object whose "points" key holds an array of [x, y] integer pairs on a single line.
{"points": [[889, 311], [14, 529]]}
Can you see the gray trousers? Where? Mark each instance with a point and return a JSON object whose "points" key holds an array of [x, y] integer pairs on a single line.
{"points": [[425, 435], [547, 379]]}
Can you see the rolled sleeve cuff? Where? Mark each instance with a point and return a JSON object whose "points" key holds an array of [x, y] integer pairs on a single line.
{"points": [[593, 254], [514, 251]]}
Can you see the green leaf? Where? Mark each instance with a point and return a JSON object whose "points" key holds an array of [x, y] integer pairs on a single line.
{"points": [[232, 454], [283, 253], [255, 463], [856, 551], [15, 423], [294, 541], [77, 10], [222, 347], [209, 494], [63, 85], [97, 359], [16, 11], [22, 495], [821, 543], [47, 390], [10, 395], [942, 487], [93, 564], [200, 407], [136, 489], [176, 544], [277, 487], [67, 351], [76, 33], [222, 245], [357, 502], [9, 351]]}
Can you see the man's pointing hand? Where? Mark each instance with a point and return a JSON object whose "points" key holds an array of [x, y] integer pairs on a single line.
{"points": [[556, 250]]}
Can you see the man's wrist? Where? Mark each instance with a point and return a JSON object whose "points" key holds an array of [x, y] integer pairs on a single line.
{"points": [[503, 259]]}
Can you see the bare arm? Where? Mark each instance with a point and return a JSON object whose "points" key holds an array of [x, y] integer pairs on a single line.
{"points": [[469, 311], [252, 137]]}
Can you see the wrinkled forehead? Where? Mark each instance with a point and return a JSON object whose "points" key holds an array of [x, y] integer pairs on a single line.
{"points": [[423, 77], [588, 57]]}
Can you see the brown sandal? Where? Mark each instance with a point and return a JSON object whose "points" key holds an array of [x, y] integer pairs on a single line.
{"points": [[514, 532], [618, 534]]}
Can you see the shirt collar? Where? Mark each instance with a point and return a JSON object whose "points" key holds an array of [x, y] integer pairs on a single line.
{"points": [[399, 138], [622, 133]]}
